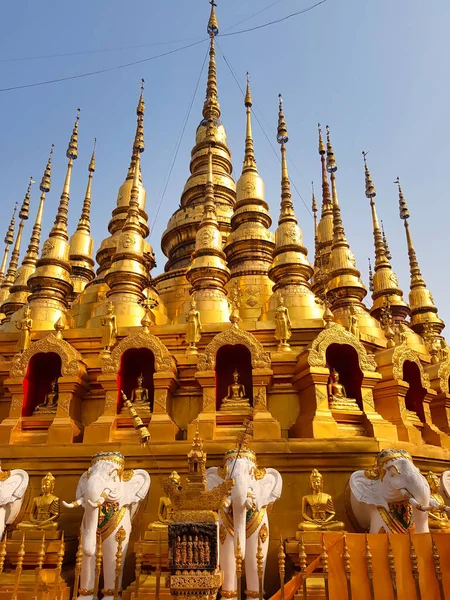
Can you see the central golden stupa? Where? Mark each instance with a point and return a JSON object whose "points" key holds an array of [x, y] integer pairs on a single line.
{"points": [[240, 318]]}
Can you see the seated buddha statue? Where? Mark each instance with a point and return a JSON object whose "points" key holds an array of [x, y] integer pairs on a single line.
{"points": [[139, 396], [165, 508], [236, 400], [318, 509], [437, 518], [44, 512], [50, 403], [337, 395]]}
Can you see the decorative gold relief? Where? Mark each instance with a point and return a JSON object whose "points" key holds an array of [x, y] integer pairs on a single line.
{"points": [[164, 363], [400, 356], [444, 376], [232, 336]]}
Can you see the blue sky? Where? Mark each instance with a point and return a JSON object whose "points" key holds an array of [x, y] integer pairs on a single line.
{"points": [[376, 71]]}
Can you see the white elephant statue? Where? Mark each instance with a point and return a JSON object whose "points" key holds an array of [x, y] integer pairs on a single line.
{"points": [[13, 485], [110, 497], [393, 497], [445, 485], [244, 515]]}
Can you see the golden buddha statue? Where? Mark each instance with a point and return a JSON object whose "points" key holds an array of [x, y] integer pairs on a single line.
{"points": [[139, 396], [50, 404], [24, 326], [194, 328], [165, 508], [318, 509], [236, 400], [109, 324], [337, 395], [44, 511], [283, 327], [438, 518]]}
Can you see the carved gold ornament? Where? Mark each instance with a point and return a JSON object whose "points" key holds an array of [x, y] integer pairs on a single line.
{"points": [[222, 533], [233, 336], [263, 533], [400, 356]]}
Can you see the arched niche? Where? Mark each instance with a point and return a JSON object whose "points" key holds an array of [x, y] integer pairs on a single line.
{"points": [[344, 359], [135, 362], [228, 359], [43, 369], [416, 393]]}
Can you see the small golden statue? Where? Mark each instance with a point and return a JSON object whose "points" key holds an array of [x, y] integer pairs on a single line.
{"points": [[24, 325], [234, 304], [353, 322], [139, 396], [236, 400], [50, 404], [44, 511], [165, 508], [438, 517], [109, 328], [194, 328], [337, 396], [283, 328], [318, 509]]}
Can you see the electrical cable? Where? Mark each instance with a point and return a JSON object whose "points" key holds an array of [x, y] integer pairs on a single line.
{"points": [[180, 139], [252, 16], [150, 58]]}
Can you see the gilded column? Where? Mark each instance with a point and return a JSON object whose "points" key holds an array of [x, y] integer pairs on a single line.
{"points": [[324, 229], [250, 244], [421, 303], [290, 270], [386, 290], [208, 272], [179, 239], [81, 242], [345, 290], [19, 291], [14, 262], [50, 284], [9, 240]]}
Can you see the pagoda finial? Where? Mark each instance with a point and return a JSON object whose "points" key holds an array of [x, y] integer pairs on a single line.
{"points": [[314, 210], [85, 220], [385, 242], [9, 239], [19, 291], [370, 276], [249, 156], [326, 196], [423, 309], [211, 108], [287, 207], [139, 139]]}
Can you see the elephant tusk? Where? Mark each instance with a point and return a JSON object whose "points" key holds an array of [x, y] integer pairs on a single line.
{"points": [[96, 504], [78, 502]]}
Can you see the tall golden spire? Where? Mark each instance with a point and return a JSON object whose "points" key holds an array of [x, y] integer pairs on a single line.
{"points": [[129, 273], [9, 239], [314, 211], [50, 284], [81, 242], [385, 282], [178, 242], [421, 301], [324, 228], [208, 272], [250, 244], [290, 270], [14, 262], [19, 291]]}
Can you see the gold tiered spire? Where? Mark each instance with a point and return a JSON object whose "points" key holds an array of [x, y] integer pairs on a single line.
{"points": [[385, 282], [178, 242], [9, 240], [290, 270], [19, 291], [129, 273], [324, 228], [81, 242], [14, 262], [421, 301], [208, 272], [50, 284], [250, 244]]}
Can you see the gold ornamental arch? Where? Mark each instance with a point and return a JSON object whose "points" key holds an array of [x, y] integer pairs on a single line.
{"points": [[402, 354], [164, 362], [444, 376]]}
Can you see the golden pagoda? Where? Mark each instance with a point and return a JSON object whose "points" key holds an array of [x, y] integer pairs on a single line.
{"points": [[350, 376]]}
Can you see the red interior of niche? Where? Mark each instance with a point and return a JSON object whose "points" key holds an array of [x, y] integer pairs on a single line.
{"points": [[344, 359], [43, 369], [416, 393], [228, 359], [135, 361]]}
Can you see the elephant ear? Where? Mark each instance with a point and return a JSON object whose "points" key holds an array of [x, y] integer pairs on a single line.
{"points": [[13, 488], [135, 489], [366, 490], [268, 488], [445, 483], [81, 484], [213, 479]]}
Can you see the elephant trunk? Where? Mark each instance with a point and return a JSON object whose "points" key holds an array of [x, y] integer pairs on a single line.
{"points": [[89, 527], [239, 501], [77, 502]]}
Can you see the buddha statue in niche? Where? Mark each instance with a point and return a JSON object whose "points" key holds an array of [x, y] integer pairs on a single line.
{"points": [[236, 400], [318, 508], [337, 396], [139, 396], [437, 518], [165, 508], [50, 404], [44, 511]]}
